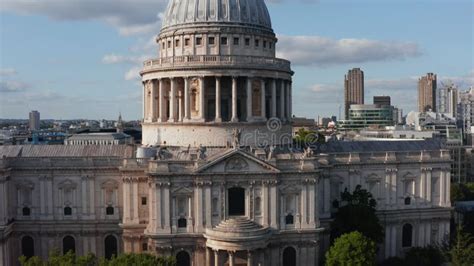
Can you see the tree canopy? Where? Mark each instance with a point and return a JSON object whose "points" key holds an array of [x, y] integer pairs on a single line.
{"points": [[462, 249], [70, 259], [356, 212], [351, 249]]}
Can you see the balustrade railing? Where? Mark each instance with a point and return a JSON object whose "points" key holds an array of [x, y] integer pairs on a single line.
{"points": [[209, 60]]}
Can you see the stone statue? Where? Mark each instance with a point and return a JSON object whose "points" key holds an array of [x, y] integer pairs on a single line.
{"points": [[202, 152], [236, 134], [308, 152], [271, 152]]}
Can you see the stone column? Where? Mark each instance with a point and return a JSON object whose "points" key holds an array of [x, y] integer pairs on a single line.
{"points": [[42, 196], [3, 203], [158, 213], [135, 201], [442, 183], [208, 204], [428, 184], [202, 99], [92, 196], [166, 208], [249, 258], [84, 196], [282, 100], [265, 201], [180, 106], [273, 204], [263, 100], [249, 99], [288, 101], [144, 114], [274, 99], [49, 196], [235, 117], [172, 106], [448, 188], [154, 105], [304, 206], [208, 257], [231, 258], [161, 102], [126, 200], [312, 201], [187, 102], [218, 100], [216, 258], [388, 187], [199, 208], [190, 217]]}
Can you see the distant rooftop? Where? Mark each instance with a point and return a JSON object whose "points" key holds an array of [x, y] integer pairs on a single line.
{"points": [[122, 151], [379, 146]]}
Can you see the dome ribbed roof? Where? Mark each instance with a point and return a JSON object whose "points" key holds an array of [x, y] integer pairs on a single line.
{"points": [[249, 12]]}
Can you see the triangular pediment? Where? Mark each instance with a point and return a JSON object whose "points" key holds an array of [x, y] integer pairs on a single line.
{"points": [[237, 161], [182, 190]]}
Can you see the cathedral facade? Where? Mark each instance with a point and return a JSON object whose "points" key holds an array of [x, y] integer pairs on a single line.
{"points": [[217, 180]]}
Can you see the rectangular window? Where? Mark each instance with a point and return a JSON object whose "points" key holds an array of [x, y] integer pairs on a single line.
{"points": [[198, 40], [224, 41], [247, 41], [163, 45], [264, 44], [186, 42], [270, 45], [143, 200], [176, 43], [257, 43], [144, 247], [211, 41], [169, 44], [236, 41]]}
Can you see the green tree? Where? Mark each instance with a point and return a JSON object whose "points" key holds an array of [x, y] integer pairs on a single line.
{"points": [[351, 249], [305, 138], [356, 212], [462, 192], [424, 256], [70, 259], [462, 249]]}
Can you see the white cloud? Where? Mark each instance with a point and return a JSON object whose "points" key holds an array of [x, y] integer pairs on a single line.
{"points": [[322, 51], [133, 73], [121, 59], [12, 86], [6, 72], [128, 16]]}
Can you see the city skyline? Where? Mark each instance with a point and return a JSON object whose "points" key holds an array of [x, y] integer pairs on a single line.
{"points": [[89, 61]]}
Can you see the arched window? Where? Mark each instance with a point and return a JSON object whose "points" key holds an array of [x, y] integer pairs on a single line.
{"points": [[407, 235], [289, 256], [236, 198], [27, 246], [26, 211], [182, 223], [109, 210], [289, 219], [183, 259], [69, 244], [68, 211], [111, 246]]}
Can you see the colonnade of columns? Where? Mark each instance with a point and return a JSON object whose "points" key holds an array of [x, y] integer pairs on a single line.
{"points": [[183, 99], [219, 258]]}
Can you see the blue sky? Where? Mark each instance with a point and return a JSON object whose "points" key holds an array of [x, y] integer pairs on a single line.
{"points": [[80, 58]]}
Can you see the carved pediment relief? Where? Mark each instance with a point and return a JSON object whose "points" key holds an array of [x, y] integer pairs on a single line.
{"points": [[182, 191], [25, 185], [373, 177], [290, 189], [67, 185], [409, 176], [110, 185], [235, 162]]}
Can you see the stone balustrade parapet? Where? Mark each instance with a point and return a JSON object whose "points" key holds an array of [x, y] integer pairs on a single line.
{"points": [[193, 61]]}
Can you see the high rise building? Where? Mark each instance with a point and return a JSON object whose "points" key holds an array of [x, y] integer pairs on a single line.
{"points": [[448, 100], [427, 93], [353, 89], [34, 120], [465, 110], [382, 100]]}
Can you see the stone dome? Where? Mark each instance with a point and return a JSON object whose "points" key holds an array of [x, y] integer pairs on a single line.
{"points": [[253, 13]]}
